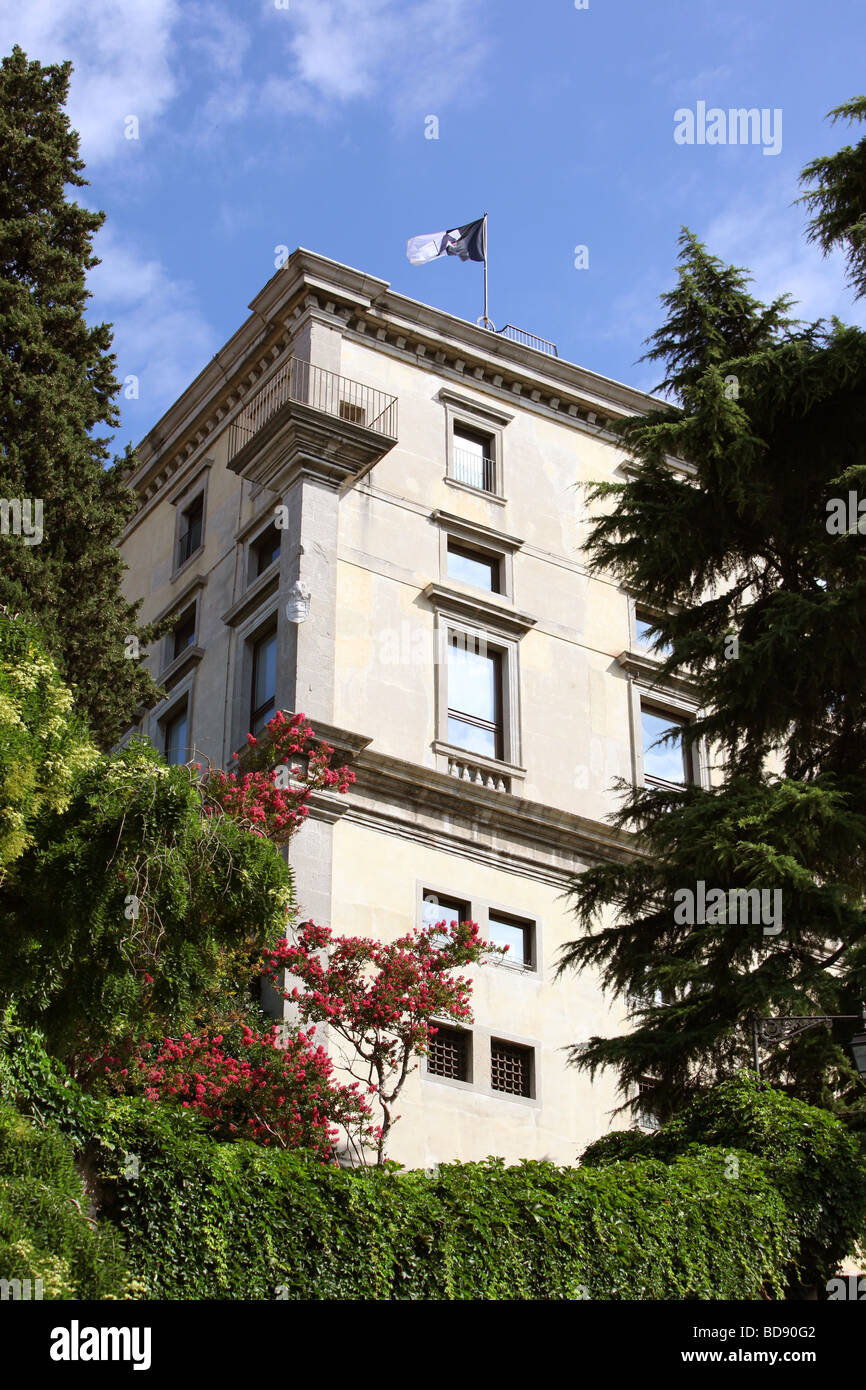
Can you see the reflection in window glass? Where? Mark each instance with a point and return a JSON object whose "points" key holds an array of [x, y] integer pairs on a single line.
{"points": [[663, 762], [514, 935], [264, 682], [176, 739], [472, 567], [474, 699]]}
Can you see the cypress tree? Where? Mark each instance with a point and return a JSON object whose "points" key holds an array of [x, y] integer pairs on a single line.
{"points": [[57, 388], [771, 415]]}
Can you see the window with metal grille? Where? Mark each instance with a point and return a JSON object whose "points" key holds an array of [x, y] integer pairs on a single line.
{"points": [[449, 1054], [510, 1068], [472, 460]]}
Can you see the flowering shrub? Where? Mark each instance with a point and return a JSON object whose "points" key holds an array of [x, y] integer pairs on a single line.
{"points": [[273, 1091], [382, 998], [278, 774]]}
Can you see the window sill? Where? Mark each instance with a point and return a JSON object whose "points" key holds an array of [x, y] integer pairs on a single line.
{"points": [[476, 491], [477, 770], [187, 562], [178, 667]]}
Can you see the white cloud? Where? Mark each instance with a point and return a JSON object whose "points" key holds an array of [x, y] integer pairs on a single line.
{"points": [[414, 55], [160, 334], [121, 52], [768, 238]]}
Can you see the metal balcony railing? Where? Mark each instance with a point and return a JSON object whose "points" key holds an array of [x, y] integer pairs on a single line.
{"points": [[309, 385], [519, 335], [476, 470]]}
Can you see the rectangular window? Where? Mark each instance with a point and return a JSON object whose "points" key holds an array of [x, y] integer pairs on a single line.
{"points": [[263, 702], [666, 763], [435, 908], [646, 1116], [510, 1068], [472, 459], [264, 550], [191, 522], [516, 935], [643, 623], [474, 567], [176, 750], [449, 1054], [474, 697], [184, 633]]}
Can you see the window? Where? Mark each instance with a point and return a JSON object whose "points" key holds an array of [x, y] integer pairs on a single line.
{"points": [[176, 750], [516, 935], [449, 1054], [354, 413], [643, 623], [663, 764], [646, 1116], [438, 909], [264, 550], [184, 632], [263, 701], [476, 567], [191, 522], [472, 459], [474, 697], [510, 1068]]}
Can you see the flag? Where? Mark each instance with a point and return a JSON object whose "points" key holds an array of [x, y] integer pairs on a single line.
{"points": [[466, 242]]}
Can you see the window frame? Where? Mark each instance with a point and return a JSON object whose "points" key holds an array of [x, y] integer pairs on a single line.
{"points": [[467, 1034], [262, 634], [663, 710], [530, 1052], [180, 708], [253, 547], [479, 419]]}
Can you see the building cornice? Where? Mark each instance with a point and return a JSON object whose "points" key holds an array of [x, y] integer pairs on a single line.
{"points": [[369, 312]]}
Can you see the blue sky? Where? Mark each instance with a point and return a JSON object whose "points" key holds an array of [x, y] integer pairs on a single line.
{"points": [[261, 125]]}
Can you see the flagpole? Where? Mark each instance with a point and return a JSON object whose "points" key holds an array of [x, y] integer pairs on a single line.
{"points": [[485, 269], [484, 320]]}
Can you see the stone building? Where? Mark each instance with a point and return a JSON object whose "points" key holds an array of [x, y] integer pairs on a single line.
{"points": [[371, 511]]}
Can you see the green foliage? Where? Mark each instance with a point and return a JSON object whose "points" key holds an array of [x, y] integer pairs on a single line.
{"points": [[809, 1155], [837, 198], [38, 1085], [771, 416], [43, 745], [57, 386], [207, 1220], [136, 911], [45, 1232]]}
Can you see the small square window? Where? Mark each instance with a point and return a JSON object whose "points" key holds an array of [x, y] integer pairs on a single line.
{"points": [[184, 632], [516, 935], [472, 459], [176, 737], [191, 524], [448, 1054], [510, 1068], [665, 763], [264, 551], [476, 567]]}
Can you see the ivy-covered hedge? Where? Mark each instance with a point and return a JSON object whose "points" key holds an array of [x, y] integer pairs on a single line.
{"points": [[745, 1195], [45, 1233], [812, 1159], [234, 1221]]}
